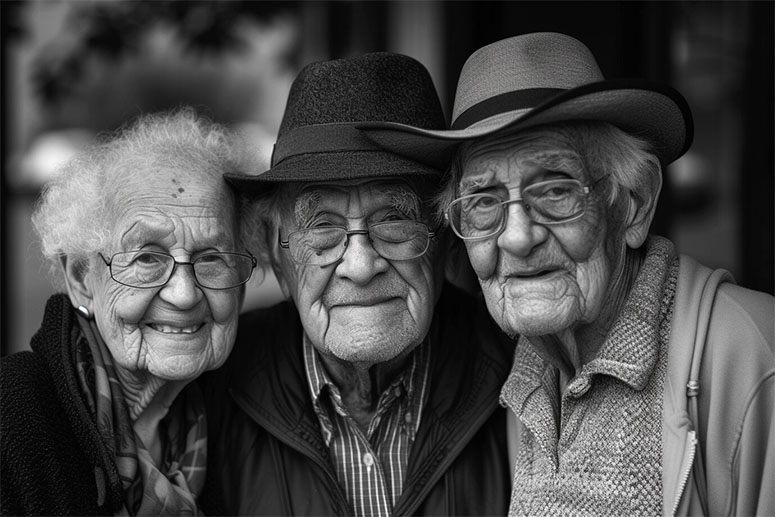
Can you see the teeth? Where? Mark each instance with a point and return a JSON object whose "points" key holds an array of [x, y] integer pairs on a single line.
{"points": [[167, 329]]}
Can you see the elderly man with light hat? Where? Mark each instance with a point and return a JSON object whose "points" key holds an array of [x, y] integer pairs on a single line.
{"points": [[642, 382], [374, 389]]}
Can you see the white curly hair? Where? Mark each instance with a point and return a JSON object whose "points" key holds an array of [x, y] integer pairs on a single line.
{"points": [[73, 215]]}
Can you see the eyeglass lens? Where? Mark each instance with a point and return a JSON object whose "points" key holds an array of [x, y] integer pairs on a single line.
{"points": [[549, 202], [153, 269], [395, 240]]}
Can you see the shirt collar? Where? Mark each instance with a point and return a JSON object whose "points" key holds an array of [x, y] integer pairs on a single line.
{"points": [[410, 385]]}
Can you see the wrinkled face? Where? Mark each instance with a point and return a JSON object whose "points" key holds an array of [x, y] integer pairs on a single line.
{"points": [[179, 330], [540, 279], [363, 308]]}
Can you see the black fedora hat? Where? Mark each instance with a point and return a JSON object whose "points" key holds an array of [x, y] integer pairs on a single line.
{"points": [[318, 141], [541, 78]]}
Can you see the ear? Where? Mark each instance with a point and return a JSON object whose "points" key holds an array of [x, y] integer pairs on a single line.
{"points": [[276, 259], [640, 213], [75, 279]]}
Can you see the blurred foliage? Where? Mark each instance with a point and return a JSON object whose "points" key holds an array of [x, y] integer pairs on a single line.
{"points": [[113, 30]]}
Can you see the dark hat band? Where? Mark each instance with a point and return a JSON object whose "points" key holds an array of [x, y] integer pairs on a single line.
{"points": [[321, 138], [505, 102]]}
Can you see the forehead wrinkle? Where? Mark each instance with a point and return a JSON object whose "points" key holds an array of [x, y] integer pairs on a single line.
{"points": [[545, 150], [158, 230], [555, 159]]}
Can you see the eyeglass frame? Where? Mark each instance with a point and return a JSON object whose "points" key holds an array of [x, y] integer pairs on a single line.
{"points": [[175, 263], [285, 244], [586, 190]]}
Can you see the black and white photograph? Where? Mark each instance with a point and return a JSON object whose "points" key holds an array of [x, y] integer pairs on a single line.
{"points": [[387, 257]]}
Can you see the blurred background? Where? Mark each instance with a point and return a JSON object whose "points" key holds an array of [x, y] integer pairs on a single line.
{"points": [[74, 69]]}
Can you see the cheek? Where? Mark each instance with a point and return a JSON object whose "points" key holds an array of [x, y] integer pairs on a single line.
{"points": [[588, 249], [307, 285], [117, 312], [225, 309], [483, 256], [419, 275], [593, 277], [224, 305]]}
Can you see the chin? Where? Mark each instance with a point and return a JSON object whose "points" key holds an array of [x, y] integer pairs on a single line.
{"points": [[180, 372], [369, 345], [536, 322]]}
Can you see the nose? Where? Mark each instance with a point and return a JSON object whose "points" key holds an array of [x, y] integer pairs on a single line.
{"points": [[521, 234], [360, 262], [181, 289]]}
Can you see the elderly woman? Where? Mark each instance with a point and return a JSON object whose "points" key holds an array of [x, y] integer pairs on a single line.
{"points": [[642, 382], [100, 417]]}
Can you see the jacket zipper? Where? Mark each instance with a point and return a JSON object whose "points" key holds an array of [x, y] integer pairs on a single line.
{"points": [[688, 463]]}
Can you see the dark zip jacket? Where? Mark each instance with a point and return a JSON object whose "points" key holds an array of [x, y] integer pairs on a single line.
{"points": [[54, 461], [267, 452]]}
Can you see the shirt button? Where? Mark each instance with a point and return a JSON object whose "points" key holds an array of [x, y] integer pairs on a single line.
{"points": [[368, 459], [408, 417]]}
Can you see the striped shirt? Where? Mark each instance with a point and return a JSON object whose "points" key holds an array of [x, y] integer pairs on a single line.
{"points": [[371, 467]]}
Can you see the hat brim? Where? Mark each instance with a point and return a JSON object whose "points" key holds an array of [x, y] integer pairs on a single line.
{"points": [[656, 113], [331, 166]]}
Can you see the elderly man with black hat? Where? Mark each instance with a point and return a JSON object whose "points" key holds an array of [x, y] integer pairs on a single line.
{"points": [[374, 389], [643, 383]]}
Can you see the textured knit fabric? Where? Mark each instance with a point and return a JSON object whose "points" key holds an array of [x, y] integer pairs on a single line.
{"points": [[54, 461], [269, 455], [597, 449], [370, 467]]}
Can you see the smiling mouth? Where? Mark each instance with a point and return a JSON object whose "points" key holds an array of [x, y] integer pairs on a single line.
{"points": [[169, 329]]}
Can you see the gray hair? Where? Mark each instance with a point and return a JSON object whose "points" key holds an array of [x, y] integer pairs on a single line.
{"points": [[605, 151], [73, 216]]}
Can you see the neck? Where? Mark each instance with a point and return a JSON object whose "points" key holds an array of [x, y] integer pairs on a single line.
{"points": [[361, 384], [570, 349], [149, 399]]}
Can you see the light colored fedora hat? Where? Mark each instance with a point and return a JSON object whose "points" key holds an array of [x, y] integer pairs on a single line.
{"points": [[540, 78]]}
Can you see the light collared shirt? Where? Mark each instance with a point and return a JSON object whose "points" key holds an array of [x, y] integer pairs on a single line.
{"points": [[371, 468]]}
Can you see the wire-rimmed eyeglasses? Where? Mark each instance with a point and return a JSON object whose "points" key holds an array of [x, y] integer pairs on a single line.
{"points": [[392, 240], [480, 216], [212, 270]]}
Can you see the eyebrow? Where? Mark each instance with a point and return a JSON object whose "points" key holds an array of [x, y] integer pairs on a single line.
{"points": [[307, 203], [403, 199], [554, 160]]}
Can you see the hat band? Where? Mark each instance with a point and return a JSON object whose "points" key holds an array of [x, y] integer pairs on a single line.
{"points": [[321, 138], [505, 102]]}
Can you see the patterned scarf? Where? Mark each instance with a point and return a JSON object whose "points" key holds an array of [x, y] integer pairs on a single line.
{"points": [[170, 489]]}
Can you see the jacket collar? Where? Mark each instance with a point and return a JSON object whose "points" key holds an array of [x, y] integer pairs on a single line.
{"points": [[470, 361]]}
